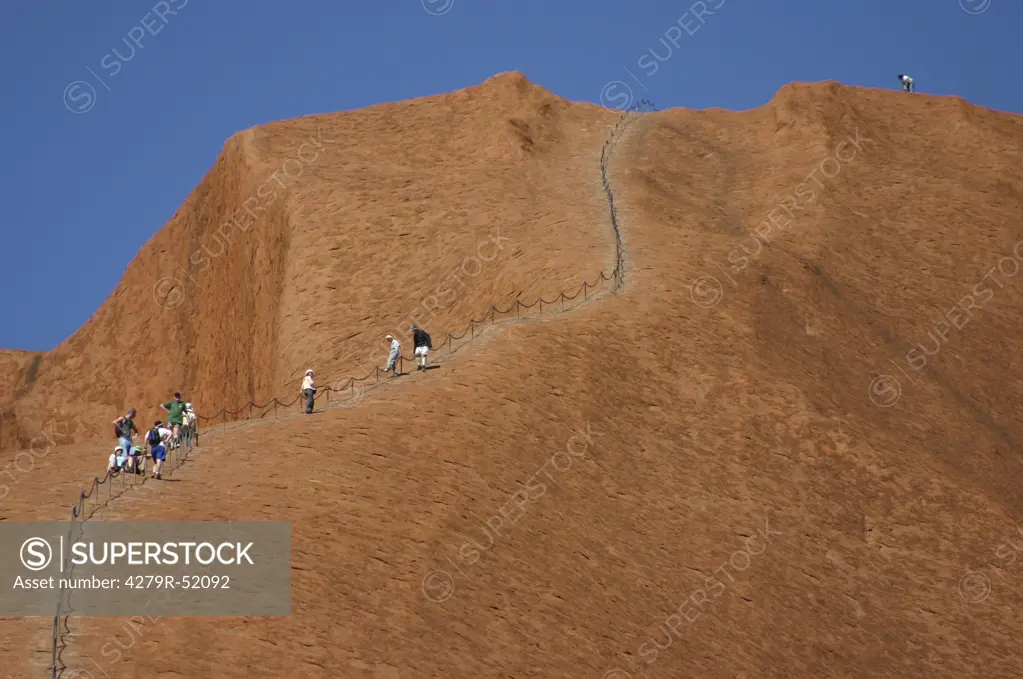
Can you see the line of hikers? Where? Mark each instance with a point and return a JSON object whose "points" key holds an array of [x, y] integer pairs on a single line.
{"points": [[162, 437], [420, 340], [131, 458]]}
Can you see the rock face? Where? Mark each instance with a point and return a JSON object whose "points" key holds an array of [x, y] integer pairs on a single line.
{"points": [[311, 239]]}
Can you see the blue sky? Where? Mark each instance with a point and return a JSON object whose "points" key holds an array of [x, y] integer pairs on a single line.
{"points": [[84, 191]]}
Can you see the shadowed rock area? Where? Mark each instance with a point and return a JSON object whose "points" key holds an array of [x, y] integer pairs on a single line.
{"points": [[787, 447]]}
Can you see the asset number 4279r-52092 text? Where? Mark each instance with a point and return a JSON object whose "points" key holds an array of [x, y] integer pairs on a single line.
{"points": [[185, 582]]}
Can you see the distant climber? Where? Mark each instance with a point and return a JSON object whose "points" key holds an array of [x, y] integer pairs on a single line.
{"points": [[422, 343], [309, 391], [907, 82], [191, 425], [392, 358]]}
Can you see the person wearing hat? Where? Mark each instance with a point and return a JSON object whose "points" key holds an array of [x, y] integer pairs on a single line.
{"points": [[907, 82], [392, 358], [136, 460], [309, 391], [190, 428], [128, 460], [117, 460], [422, 343]]}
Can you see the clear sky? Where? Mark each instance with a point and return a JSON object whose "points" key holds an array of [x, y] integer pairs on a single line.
{"points": [[95, 168]]}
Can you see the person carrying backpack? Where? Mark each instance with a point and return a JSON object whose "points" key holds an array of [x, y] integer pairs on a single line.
{"points": [[422, 343], [157, 439], [125, 430]]}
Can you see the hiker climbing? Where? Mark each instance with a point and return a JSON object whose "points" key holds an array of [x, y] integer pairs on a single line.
{"points": [[191, 425], [157, 438], [392, 358], [175, 417], [125, 430], [309, 391], [907, 82], [422, 343]]}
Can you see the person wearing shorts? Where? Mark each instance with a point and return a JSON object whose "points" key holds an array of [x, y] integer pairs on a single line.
{"points": [[422, 343], [158, 449], [175, 417], [136, 460]]}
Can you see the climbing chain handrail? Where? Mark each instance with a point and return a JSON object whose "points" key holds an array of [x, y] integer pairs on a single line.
{"points": [[177, 456], [616, 275]]}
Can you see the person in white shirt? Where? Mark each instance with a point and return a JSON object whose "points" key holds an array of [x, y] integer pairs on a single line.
{"points": [[392, 358], [309, 391], [190, 424], [907, 82]]}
